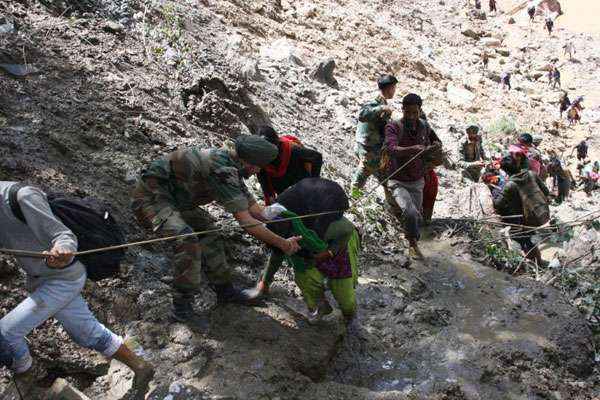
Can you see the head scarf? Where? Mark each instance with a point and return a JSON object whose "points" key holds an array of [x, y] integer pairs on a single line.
{"points": [[255, 150]]}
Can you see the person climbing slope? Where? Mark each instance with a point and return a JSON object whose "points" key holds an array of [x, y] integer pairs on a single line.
{"points": [[329, 246], [294, 162], [55, 285], [166, 200]]}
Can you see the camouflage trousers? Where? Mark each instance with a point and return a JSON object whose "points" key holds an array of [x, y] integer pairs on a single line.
{"points": [[154, 212], [369, 164]]}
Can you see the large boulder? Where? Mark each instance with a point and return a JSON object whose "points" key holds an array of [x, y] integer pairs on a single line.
{"points": [[281, 50], [490, 42], [459, 96], [469, 32], [217, 104], [323, 72]]}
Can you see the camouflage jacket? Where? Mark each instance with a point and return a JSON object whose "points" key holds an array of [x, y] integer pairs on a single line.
{"points": [[369, 131], [194, 176], [467, 158], [510, 201]]}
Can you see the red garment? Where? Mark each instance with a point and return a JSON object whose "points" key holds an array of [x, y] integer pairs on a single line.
{"points": [[430, 192], [518, 149], [285, 154], [285, 145]]}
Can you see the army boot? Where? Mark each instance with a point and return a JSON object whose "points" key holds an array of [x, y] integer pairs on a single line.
{"points": [[184, 313]]}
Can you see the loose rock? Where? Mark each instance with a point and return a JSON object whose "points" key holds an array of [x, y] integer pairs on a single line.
{"points": [[323, 72]]}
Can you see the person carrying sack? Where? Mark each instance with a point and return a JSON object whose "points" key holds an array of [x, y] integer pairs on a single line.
{"points": [[523, 201]]}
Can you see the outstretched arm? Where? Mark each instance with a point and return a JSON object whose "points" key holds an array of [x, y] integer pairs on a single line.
{"points": [[257, 229]]}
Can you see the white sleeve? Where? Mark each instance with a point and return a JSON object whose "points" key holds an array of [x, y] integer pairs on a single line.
{"points": [[271, 212]]}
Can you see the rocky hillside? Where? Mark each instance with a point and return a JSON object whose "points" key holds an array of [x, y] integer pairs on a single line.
{"points": [[102, 87]]}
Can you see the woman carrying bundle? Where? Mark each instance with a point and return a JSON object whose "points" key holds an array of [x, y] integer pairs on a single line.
{"points": [[329, 246]]}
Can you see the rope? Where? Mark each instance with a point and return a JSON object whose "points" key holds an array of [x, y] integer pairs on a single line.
{"points": [[381, 183], [34, 254]]}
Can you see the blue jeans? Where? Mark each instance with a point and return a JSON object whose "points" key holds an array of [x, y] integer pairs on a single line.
{"points": [[62, 300]]}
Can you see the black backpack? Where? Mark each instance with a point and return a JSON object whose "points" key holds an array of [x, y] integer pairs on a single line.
{"points": [[93, 225]]}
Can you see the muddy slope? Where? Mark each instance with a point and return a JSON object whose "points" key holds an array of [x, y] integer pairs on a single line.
{"points": [[117, 84]]}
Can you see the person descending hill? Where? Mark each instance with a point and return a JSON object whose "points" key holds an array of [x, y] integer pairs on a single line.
{"points": [[472, 154], [523, 201], [408, 142], [561, 179], [569, 49], [505, 81], [549, 24], [564, 103], [55, 284], [531, 9], [369, 134]]}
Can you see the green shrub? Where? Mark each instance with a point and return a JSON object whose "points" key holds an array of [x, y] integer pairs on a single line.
{"points": [[505, 125]]}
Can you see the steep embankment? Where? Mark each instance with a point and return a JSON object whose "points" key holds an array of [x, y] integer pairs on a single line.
{"points": [[120, 83]]}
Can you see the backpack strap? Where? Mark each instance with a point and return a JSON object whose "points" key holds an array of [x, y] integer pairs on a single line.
{"points": [[14, 204]]}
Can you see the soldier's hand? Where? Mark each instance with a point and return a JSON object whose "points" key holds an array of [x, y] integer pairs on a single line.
{"points": [[58, 258], [291, 245]]}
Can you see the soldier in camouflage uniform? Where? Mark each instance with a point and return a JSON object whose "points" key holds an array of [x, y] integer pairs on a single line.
{"points": [[369, 134], [166, 200]]}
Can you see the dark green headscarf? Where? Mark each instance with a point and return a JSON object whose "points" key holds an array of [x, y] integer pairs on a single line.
{"points": [[255, 150]]}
